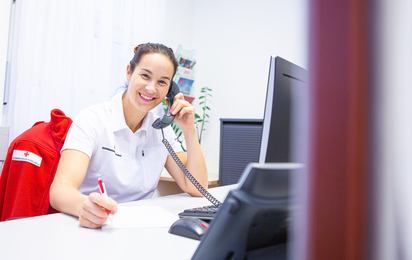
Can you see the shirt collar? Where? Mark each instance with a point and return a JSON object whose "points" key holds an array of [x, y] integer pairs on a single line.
{"points": [[145, 125], [119, 120]]}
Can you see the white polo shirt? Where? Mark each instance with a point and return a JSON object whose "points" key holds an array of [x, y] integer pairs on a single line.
{"points": [[129, 163]]}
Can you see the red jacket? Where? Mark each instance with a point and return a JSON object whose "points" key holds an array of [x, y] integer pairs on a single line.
{"points": [[30, 166]]}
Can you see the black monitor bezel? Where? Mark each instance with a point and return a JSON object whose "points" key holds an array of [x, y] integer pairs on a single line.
{"points": [[283, 77]]}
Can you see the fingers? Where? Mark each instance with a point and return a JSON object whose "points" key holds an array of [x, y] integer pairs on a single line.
{"points": [[106, 203], [181, 106], [92, 215], [93, 212], [185, 111], [179, 96]]}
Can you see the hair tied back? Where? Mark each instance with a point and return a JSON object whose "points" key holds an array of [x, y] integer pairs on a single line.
{"points": [[135, 48]]}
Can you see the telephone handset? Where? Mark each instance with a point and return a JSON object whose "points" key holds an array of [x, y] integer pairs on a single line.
{"points": [[165, 121]]}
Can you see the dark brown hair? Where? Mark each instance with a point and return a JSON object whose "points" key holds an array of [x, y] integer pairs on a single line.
{"points": [[146, 48]]}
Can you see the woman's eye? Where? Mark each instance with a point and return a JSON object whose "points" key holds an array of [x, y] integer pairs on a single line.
{"points": [[162, 83], [145, 76]]}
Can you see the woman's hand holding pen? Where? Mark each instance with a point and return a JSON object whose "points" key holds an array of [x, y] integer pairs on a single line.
{"points": [[93, 212]]}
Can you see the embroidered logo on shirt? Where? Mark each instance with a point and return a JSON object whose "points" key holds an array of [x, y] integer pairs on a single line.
{"points": [[111, 150], [26, 156]]}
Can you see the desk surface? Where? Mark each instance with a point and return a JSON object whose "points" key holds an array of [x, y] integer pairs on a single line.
{"points": [[60, 236]]}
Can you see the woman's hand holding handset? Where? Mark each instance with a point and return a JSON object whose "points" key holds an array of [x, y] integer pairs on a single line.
{"points": [[184, 112]]}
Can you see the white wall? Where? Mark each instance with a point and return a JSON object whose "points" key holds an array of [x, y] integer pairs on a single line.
{"points": [[234, 40], [179, 24], [4, 32]]}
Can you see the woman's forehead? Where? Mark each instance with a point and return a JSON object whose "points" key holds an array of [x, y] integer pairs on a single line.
{"points": [[156, 64]]}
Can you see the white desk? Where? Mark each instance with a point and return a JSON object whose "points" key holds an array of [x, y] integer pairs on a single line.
{"points": [[59, 236]]}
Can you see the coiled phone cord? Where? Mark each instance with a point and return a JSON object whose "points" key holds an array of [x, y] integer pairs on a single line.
{"points": [[191, 178]]}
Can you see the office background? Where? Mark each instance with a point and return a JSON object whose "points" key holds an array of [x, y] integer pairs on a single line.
{"points": [[233, 60], [233, 41]]}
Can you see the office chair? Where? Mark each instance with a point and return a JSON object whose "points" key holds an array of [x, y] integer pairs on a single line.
{"points": [[30, 166]]}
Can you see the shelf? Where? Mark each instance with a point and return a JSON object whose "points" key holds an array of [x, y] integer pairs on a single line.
{"points": [[213, 178]]}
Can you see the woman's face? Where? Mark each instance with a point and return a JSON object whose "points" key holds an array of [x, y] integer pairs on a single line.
{"points": [[149, 82]]}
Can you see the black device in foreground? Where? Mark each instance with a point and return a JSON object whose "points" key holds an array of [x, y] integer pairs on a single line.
{"points": [[253, 219]]}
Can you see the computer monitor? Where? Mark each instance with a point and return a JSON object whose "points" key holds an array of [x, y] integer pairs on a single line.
{"points": [[285, 118], [252, 221]]}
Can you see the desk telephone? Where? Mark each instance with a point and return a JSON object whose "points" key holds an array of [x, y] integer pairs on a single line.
{"points": [[165, 121]]}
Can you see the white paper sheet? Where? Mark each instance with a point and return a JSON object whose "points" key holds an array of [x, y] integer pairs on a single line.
{"points": [[140, 217]]}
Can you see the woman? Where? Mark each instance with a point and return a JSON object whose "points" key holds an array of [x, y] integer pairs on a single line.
{"points": [[115, 141]]}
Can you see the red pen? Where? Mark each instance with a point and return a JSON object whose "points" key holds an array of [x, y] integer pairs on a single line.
{"points": [[102, 189]]}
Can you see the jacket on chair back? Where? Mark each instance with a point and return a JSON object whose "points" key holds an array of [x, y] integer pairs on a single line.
{"points": [[30, 166]]}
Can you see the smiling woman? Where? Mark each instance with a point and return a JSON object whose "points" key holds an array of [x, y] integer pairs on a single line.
{"points": [[115, 142], [148, 85], [149, 76]]}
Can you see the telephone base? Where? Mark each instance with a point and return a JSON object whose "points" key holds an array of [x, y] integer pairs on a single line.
{"points": [[206, 213]]}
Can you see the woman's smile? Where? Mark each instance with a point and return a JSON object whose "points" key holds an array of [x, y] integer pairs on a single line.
{"points": [[146, 98]]}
